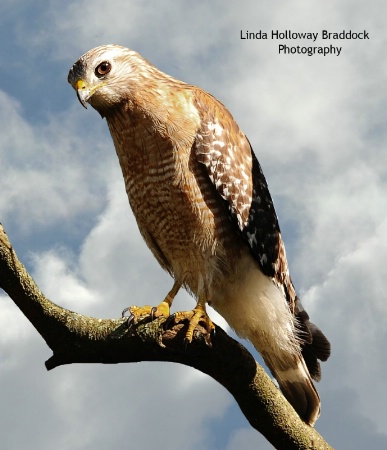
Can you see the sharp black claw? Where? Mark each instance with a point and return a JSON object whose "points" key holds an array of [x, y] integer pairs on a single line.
{"points": [[168, 321], [130, 320], [152, 313], [130, 317], [125, 311]]}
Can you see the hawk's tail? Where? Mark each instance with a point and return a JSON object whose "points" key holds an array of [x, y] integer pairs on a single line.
{"points": [[294, 368], [290, 345], [297, 386]]}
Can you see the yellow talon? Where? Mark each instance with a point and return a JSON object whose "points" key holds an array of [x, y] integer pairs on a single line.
{"points": [[196, 316], [138, 313]]}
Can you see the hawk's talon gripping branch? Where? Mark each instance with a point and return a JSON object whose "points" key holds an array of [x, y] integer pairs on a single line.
{"points": [[146, 313]]}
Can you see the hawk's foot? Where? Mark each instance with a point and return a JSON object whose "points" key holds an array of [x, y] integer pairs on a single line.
{"points": [[140, 313], [196, 316]]}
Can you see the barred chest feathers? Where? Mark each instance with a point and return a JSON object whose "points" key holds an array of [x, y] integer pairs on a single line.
{"points": [[164, 180]]}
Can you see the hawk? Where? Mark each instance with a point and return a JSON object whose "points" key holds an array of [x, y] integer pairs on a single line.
{"points": [[203, 207]]}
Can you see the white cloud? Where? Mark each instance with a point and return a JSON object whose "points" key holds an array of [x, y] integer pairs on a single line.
{"points": [[58, 280], [354, 316], [15, 330], [52, 173]]}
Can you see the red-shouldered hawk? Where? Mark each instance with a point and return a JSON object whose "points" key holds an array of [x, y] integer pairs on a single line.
{"points": [[204, 209]]}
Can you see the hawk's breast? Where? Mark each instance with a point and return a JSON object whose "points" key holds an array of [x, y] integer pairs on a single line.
{"points": [[178, 211]]}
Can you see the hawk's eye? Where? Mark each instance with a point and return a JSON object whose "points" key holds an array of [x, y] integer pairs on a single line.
{"points": [[103, 68]]}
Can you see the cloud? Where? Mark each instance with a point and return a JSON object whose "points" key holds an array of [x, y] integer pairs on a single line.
{"points": [[355, 317], [352, 430], [51, 174]]}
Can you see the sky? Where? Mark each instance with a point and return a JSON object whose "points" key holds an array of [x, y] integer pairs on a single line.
{"points": [[318, 126]]}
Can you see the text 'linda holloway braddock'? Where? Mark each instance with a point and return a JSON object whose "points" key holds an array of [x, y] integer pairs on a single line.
{"points": [[311, 36]]}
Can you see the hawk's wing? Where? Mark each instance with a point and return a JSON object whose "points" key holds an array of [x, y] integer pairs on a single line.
{"points": [[237, 175], [238, 178]]}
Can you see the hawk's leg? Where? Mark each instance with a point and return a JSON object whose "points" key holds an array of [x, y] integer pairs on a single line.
{"points": [[139, 313], [196, 316]]}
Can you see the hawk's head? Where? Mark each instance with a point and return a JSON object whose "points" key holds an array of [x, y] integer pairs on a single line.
{"points": [[109, 75]]}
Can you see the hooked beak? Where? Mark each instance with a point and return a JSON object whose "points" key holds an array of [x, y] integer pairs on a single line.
{"points": [[83, 92]]}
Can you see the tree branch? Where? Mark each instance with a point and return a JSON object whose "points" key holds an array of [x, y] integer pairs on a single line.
{"points": [[75, 338]]}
